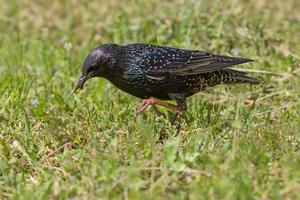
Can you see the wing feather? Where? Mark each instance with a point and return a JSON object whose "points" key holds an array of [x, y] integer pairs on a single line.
{"points": [[156, 61]]}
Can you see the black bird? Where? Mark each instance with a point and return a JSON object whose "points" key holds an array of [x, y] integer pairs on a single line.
{"points": [[153, 72]]}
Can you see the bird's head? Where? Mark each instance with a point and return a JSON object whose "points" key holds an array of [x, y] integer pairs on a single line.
{"points": [[97, 64]]}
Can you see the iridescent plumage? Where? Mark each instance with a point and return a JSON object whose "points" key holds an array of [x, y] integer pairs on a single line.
{"points": [[165, 73]]}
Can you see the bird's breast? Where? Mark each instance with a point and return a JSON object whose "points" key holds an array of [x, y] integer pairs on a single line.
{"points": [[133, 86], [141, 86]]}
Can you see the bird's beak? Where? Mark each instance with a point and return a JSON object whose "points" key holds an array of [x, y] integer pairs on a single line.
{"points": [[80, 83]]}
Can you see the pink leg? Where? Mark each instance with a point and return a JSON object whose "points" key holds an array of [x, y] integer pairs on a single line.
{"points": [[157, 111], [169, 106], [153, 102], [144, 105]]}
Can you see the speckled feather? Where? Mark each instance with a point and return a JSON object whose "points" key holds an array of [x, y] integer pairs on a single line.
{"points": [[165, 73]]}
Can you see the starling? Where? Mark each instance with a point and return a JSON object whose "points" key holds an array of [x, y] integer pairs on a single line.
{"points": [[155, 73]]}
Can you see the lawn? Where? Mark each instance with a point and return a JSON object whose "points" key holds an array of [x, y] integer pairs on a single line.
{"points": [[235, 141]]}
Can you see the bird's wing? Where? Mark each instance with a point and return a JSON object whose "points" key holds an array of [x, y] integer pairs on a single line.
{"points": [[163, 61]]}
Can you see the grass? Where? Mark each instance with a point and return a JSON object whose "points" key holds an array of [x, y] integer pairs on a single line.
{"points": [[235, 142]]}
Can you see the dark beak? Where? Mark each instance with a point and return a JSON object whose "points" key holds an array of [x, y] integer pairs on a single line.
{"points": [[80, 83]]}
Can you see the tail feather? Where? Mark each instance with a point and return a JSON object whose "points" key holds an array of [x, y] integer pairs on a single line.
{"points": [[231, 61], [235, 76]]}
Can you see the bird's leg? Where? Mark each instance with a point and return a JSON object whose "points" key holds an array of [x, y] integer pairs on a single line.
{"points": [[144, 105], [179, 108], [168, 105], [181, 105], [153, 102], [141, 107], [157, 111]]}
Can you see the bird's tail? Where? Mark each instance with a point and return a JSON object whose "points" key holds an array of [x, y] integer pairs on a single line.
{"points": [[234, 76]]}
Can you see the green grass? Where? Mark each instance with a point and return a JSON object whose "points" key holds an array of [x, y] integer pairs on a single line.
{"points": [[235, 142]]}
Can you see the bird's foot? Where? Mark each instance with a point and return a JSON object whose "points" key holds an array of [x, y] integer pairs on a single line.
{"points": [[155, 109], [153, 102], [144, 105]]}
